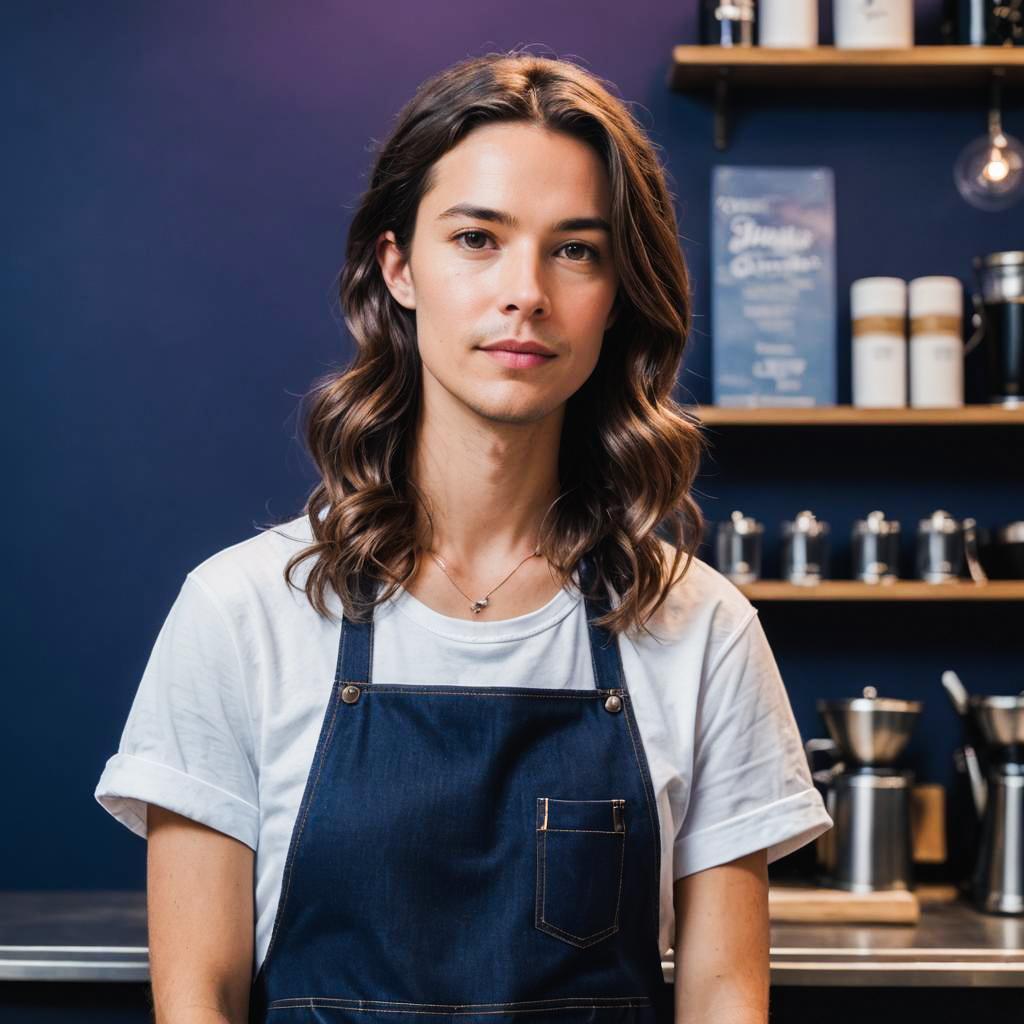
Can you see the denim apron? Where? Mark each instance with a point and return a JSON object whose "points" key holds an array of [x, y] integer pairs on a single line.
{"points": [[471, 854]]}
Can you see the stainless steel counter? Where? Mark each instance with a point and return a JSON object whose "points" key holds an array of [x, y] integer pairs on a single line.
{"points": [[101, 936], [952, 945], [73, 936]]}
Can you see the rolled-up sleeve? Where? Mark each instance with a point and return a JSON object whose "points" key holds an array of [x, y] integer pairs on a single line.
{"points": [[751, 786], [187, 744]]}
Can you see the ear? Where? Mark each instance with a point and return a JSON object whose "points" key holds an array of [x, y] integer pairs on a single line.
{"points": [[394, 268]]}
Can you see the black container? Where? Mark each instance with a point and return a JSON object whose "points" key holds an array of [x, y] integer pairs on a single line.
{"points": [[1004, 350], [994, 355], [983, 22]]}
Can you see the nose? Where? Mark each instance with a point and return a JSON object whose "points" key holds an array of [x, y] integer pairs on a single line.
{"points": [[522, 283]]}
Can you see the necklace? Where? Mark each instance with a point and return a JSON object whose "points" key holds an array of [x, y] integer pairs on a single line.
{"points": [[477, 606]]}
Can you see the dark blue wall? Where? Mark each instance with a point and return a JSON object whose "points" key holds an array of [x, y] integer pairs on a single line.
{"points": [[178, 181]]}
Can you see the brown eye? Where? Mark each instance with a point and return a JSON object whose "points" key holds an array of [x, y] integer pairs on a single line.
{"points": [[468, 234], [594, 254]]}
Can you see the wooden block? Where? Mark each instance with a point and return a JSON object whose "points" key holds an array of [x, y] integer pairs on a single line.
{"points": [[819, 905], [936, 894], [928, 823]]}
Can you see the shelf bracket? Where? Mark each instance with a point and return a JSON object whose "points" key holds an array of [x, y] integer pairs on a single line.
{"points": [[722, 110]]}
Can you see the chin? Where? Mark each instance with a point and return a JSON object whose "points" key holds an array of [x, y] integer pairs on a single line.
{"points": [[513, 413]]}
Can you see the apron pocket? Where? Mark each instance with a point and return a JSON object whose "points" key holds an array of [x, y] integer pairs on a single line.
{"points": [[580, 852]]}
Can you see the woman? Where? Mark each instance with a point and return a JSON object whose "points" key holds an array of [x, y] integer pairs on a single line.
{"points": [[477, 735]]}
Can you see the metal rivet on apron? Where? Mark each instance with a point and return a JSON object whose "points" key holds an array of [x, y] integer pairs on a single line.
{"points": [[613, 703], [350, 694]]}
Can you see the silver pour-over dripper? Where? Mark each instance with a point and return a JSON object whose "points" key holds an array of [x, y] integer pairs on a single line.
{"points": [[870, 847]]}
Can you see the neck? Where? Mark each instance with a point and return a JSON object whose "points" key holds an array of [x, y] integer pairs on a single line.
{"points": [[488, 486]]}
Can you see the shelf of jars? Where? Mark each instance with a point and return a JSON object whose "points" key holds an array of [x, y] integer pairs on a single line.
{"points": [[850, 415], [898, 590]]}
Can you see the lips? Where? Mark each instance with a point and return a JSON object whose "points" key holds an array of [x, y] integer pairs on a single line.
{"points": [[510, 345], [518, 355]]}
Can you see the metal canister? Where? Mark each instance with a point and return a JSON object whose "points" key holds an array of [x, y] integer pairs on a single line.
{"points": [[940, 548], [739, 548], [805, 549], [876, 548]]}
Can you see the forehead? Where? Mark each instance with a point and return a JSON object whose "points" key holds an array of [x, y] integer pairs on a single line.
{"points": [[520, 165]]}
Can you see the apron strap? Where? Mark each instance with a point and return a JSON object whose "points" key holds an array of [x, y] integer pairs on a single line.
{"points": [[604, 647], [355, 651]]}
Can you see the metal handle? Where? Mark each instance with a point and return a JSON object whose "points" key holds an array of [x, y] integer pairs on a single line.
{"points": [[978, 316], [977, 322], [979, 787], [812, 746], [971, 552], [830, 747]]}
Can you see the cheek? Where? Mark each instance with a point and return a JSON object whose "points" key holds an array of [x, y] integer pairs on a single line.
{"points": [[589, 301], [585, 313], [588, 316], [588, 357], [447, 298]]}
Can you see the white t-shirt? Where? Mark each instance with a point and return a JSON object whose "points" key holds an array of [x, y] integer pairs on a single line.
{"points": [[225, 721]]}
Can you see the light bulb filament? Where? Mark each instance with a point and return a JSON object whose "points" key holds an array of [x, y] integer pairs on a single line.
{"points": [[997, 167]]}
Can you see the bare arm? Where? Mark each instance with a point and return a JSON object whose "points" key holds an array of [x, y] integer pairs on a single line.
{"points": [[721, 943], [199, 904]]}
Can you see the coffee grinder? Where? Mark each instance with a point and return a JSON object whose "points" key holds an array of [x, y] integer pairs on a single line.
{"points": [[871, 846]]}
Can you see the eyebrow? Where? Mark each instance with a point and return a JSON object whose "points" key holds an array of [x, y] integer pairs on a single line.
{"points": [[506, 219]]}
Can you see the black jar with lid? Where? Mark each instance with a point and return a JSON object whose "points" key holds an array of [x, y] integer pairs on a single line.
{"points": [[994, 354]]}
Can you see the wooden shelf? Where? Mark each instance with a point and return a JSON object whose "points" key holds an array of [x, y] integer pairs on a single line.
{"points": [[720, 68], [699, 67], [901, 590], [850, 415]]}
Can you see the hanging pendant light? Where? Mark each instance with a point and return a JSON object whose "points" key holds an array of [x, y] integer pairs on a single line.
{"points": [[989, 172]]}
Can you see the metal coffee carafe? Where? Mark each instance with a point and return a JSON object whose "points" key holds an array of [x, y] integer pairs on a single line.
{"points": [[870, 848], [997, 882]]}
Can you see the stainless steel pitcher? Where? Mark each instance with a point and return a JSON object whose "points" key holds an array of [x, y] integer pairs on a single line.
{"points": [[997, 885]]}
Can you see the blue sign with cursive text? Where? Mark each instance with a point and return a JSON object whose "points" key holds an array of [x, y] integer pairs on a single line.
{"points": [[773, 286]]}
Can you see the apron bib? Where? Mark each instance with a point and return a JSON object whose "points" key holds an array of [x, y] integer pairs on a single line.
{"points": [[472, 854]]}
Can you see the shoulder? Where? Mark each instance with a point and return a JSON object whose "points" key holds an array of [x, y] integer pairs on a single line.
{"points": [[700, 589], [703, 607], [253, 570]]}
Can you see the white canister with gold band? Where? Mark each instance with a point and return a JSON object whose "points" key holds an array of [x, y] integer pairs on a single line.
{"points": [[878, 310], [936, 342]]}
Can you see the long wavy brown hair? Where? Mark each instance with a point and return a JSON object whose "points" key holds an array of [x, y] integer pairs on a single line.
{"points": [[628, 453]]}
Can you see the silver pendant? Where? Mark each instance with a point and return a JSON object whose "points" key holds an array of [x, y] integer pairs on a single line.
{"points": [[478, 606]]}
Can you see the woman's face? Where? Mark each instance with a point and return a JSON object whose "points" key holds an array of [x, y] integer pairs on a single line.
{"points": [[494, 257]]}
